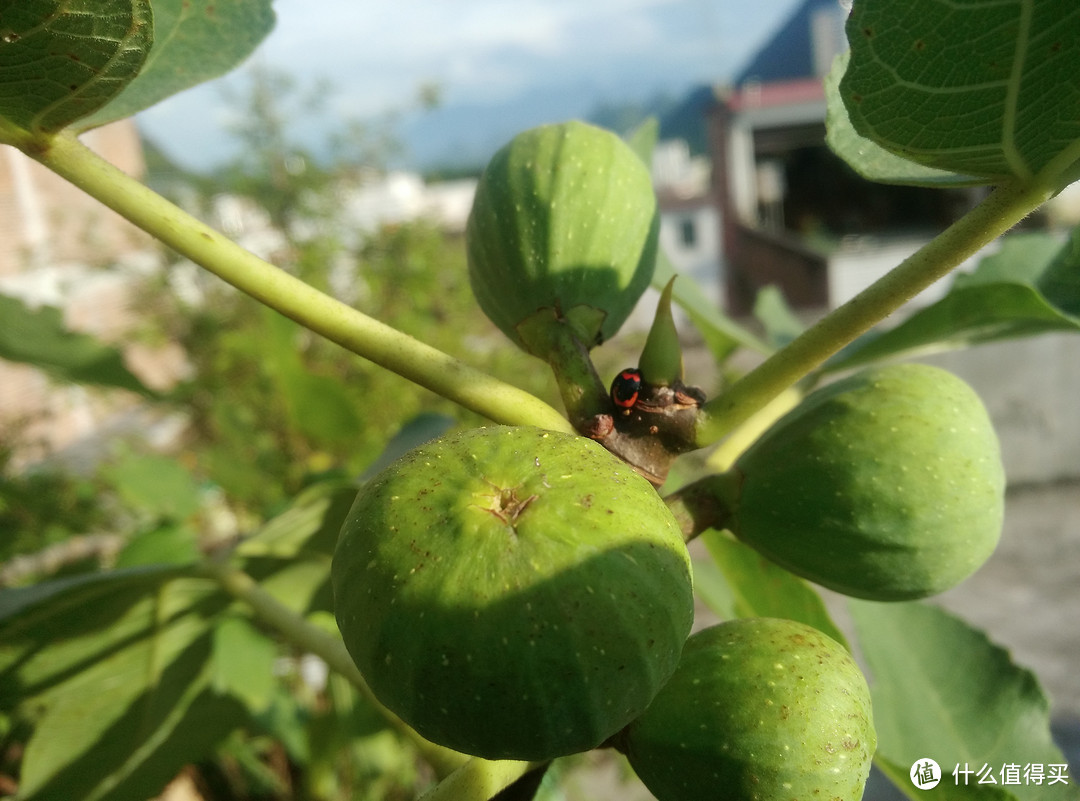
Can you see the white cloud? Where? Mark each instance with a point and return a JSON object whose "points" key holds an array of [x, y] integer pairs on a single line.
{"points": [[377, 53]]}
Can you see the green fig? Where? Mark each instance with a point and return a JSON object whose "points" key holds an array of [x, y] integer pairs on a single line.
{"points": [[564, 224], [886, 485], [512, 593], [759, 709]]}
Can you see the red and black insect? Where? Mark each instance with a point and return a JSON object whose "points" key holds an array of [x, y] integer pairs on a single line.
{"points": [[626, 387]]}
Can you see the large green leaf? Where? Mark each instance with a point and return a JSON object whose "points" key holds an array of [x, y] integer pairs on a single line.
{"points": [[1031, 286], [760, 588], [38, 337], [868, 158], [83, 588], [110, 734], [54, 631], [193, 42], [113, 671], [943, 691], [982, 87], [61, 60]]}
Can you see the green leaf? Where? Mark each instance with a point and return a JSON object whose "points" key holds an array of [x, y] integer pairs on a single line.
{"points": [[193, 42], [869, 159], [155, 485], [318, 405], [84, 587], [112, 672], [168, 544], [302, 585], [243, 663], [1031, 286], [1022, 259], [982, 87], [39, 337], [133, 755], [943, 691], [781, 324], [61, 60], [763, 589], [309, 526], [61, 629]]}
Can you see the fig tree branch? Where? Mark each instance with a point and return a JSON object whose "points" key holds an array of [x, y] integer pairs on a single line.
{"points": [[307, 637], [1003, 208], [478, 780], [338, 322]]}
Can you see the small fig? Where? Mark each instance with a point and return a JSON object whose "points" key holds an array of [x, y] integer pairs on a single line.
{"points": [[565, 224], [759, 708], [887, 485], [512, 593]]}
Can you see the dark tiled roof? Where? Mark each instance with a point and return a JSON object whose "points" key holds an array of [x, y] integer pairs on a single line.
{"points": [[789, 54]]}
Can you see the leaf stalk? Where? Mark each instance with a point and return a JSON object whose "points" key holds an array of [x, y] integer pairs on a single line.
{"points": [[1003, 208], [338, 322]]}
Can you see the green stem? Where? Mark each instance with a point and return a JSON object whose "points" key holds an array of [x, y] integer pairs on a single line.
{"points": [[465, 778], [297, 631], [583, 393], [478, 780], [1000, 211], [340, 323], [706, 503]]}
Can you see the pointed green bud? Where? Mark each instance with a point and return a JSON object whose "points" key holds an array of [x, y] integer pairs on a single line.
{"points": [[661, 361]]}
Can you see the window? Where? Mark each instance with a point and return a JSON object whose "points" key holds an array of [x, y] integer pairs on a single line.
{"points": [[687, 232]]}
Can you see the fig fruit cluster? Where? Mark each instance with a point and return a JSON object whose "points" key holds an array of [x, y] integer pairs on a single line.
{"points": [[513, 593], [886, 485], [759, 708]]}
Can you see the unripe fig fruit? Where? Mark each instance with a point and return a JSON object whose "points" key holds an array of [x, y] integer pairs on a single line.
{"points": [[512, 593], [564, 220], [759, 709], [886, 485]]}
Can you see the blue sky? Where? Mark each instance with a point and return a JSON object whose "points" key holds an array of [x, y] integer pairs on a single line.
{"points": [[500, 62]]}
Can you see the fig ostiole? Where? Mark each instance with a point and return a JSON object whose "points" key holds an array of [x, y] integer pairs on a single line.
{"points": [[886, 485], [564, 220], [759, 708], [512, 593]]}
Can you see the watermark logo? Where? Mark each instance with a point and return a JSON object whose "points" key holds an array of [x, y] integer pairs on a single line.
{"points": [[925, 773]]}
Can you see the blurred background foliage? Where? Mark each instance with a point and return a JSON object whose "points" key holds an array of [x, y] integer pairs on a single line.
{"points": [[270, 410]]}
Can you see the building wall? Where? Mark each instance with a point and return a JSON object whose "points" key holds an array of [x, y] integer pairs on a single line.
{"points": [[690, 238], [44, 219], [60, 247]]}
